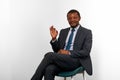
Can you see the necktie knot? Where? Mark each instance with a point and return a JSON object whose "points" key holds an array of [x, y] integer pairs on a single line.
{"points": [[73, 30]]}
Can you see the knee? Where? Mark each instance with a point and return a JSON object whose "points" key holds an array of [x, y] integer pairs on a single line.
{"points": [[49, 54]]}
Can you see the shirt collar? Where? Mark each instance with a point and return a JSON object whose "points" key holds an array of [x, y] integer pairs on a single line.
{"points": [[76, 28]]}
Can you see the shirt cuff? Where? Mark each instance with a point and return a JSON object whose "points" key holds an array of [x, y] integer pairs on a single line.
{"points": [[54, 40], [69, 53]]}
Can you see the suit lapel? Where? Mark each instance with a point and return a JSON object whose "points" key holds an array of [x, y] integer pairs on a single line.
{"points": [[64, 37], [78, 37], [66, 33]]}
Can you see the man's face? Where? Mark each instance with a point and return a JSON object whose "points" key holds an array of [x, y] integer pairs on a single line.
{"points": [[73, 19]]}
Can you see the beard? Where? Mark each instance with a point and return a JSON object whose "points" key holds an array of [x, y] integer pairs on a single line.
{"points": [[74, 26]]}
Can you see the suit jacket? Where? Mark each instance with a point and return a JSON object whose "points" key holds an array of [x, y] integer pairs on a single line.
{"points": [[81, 48]]}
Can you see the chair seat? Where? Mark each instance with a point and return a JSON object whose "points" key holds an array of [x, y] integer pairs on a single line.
{"points": [[71, 73]]}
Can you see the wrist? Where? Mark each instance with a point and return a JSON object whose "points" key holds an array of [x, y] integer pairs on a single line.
{"points": [[53, 39]]}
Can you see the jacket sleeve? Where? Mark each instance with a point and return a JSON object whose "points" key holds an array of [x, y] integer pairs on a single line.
{"points": [[56, 44], [86, 46]]}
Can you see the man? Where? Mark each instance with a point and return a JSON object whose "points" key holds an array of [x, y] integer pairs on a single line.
{"points": [[71, 50]]}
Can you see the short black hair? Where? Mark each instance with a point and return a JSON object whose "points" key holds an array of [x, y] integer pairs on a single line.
{"points": [[74, 11]]}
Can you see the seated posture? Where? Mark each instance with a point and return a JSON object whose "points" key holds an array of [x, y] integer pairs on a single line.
{"points": [[71, 50]]}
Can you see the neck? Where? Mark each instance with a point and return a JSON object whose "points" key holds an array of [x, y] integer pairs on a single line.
{"points": [[74, 26]]}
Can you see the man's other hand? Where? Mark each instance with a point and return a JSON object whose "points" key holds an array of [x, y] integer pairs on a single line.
{"points": [[61, 51]]}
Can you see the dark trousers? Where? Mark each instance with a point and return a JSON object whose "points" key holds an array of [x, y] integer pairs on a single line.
{"points": [[52, 64]]}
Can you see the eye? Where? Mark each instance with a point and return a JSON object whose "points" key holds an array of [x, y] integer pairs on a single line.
{"points": [[69, 18]]}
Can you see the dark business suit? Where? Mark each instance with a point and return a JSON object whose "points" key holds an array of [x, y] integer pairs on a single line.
{"points": [[53, 63]]}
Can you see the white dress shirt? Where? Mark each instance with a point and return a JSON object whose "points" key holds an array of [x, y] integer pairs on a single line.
{"points": [[76, 29]]}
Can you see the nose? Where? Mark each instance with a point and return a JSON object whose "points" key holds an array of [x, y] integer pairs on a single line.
{"points": [[72, 19]]}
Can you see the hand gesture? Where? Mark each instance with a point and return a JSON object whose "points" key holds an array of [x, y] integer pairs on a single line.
{"points": [[53, 32]]}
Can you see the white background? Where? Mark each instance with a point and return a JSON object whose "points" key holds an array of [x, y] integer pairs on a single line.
{"points": [[24, 35]]}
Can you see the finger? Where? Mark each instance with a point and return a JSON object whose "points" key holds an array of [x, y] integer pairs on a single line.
{"points": [[51, 27], [56, 31]]}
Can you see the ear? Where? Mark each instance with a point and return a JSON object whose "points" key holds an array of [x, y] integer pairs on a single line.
{"points": [[79, 18]]}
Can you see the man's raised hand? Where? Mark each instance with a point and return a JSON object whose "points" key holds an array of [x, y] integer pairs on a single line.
{"points": [[53, 32]]}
